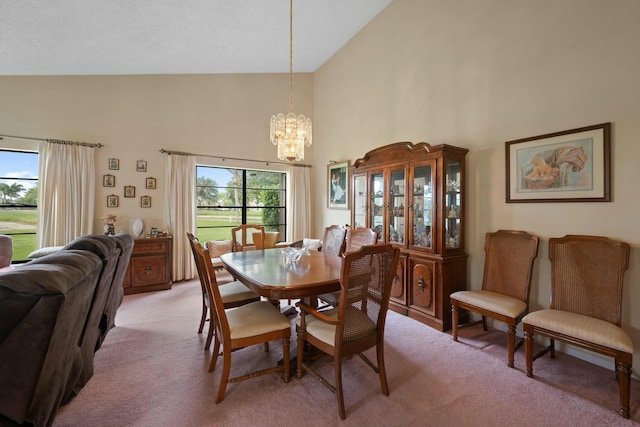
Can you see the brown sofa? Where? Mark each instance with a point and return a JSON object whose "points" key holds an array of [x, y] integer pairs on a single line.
{"points": [[54, 314]]}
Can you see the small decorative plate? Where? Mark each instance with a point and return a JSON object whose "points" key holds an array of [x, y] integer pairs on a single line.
{"points": [[138, 227]]}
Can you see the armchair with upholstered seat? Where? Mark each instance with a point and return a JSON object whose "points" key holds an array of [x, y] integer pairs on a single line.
{"points": [[504, 296], [244, 237], [586, 305], [357, 324], [6, 250], [333, 240]]}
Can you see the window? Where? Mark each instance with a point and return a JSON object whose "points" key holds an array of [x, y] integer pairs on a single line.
{"points": [[19, 200], [227, 198]]}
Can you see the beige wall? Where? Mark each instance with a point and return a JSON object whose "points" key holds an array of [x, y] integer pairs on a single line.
{"points": [[462, 72], [479, 73], [135, 116]]}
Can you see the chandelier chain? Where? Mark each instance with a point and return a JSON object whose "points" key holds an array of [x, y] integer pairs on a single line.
{"points": [[290, 56]]}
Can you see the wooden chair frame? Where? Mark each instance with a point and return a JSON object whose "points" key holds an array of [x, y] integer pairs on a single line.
{"points": [[245, 231], [600, 264], [387, 260], [247, 317], [506, 282]]}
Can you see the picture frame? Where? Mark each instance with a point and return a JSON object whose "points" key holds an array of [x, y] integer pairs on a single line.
{"points": [[338, 185], [113, 201], [108, 180], [129, 191], [151, 183], [567, 166], [141, 166], [145, 202], [114, 164]]}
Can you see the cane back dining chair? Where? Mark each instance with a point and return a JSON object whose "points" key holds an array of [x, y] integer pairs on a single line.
{"points": [[254, 323], [586, 303], [358, 322], [355, 238], [234, 294], [333, 240], [244, 239], [508, 263]]}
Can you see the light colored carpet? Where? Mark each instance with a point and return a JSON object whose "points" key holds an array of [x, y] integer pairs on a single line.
{"points": [[152, 371]]}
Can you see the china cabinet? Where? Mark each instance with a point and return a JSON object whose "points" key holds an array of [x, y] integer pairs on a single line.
{"points": [[413, 196]]}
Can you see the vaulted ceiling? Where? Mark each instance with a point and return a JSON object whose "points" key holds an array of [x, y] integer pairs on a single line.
{"points": [[97, 37]]}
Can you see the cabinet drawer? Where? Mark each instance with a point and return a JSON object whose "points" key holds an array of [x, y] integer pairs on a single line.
{"points": [[149, 270], [149, 247]]}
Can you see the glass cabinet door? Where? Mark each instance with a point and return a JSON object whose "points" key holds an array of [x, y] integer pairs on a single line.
{"points": [[376, 202], [452, 208], [422, 206], [397, 207], [360, 201]]}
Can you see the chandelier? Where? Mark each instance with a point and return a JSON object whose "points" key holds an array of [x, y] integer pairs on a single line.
{"points": [[291, 133]]}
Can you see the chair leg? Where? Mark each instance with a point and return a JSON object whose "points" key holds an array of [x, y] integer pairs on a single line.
{"points": [[337, 362], [302, 336], [484, 324], [381, 369], [624, 383], [203, 318], [454, 322], [286, 348], [214, 355], [552, 348], [224, 378], [207, 344], [528, 352], [511, 333]]}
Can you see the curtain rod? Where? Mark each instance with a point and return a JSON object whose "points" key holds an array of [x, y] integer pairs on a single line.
{"points": [[170, 152], [54, 141]]}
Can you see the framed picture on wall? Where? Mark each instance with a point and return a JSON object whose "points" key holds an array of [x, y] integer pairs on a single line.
{"points": [[145, 202], [112, 201], [114, 164], [108, 181], [338, 185], [151, 183], [568, 166], [129, 191], [141, 166]]}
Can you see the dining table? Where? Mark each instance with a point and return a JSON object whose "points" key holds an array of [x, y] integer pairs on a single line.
{"points": [[271, 274]]}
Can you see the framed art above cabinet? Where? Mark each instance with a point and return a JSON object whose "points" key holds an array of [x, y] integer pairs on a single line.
{"points": [[412, 196]]}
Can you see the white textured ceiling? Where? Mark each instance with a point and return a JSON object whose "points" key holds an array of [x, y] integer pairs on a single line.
{"points": [[83, 37]]}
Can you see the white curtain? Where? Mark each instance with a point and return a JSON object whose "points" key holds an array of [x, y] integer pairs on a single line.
{"points": [[180, 211], [299, 214], [66, 176]]}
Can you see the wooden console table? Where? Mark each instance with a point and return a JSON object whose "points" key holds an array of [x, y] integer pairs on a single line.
{"points": [[150, 266]]}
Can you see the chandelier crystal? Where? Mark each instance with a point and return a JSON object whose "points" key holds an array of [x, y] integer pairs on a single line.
{"points": [[291, 133]]}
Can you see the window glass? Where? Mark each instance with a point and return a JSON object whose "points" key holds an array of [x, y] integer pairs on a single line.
{"points": [[19, 200], [227, 198]]}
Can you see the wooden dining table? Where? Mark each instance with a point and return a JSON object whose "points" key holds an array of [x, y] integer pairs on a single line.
{"points": [[268, 273]]}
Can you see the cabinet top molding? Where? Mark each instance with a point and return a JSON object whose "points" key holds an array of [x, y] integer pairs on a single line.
{"points": [[402, 151]]}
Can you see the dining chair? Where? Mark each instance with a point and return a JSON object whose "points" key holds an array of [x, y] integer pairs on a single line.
{"points": [[508, 264], [586, 305], [234, 294], [217, 248], [333, 240], [255, 323], [355, 238], [243, 237], [357, 324]]}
